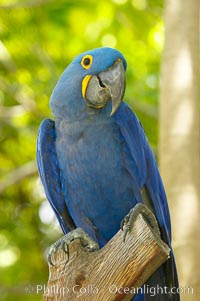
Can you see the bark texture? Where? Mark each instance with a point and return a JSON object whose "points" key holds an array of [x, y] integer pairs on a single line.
{"points": [[112, 273]]}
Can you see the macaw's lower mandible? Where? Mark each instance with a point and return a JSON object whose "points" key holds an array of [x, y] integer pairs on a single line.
{"points": [[95, 161]]}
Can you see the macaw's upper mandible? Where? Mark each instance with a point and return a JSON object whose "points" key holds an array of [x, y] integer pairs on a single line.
{"points": [[94, 80]]}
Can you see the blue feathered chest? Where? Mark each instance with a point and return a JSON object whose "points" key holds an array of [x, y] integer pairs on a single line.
{"points": [[97, 185]]}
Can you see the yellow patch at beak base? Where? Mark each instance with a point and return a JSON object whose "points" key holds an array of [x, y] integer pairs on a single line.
{"points": [[85, 84]]}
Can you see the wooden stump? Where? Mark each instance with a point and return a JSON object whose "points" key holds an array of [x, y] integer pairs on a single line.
{"points": [[111, 273]]}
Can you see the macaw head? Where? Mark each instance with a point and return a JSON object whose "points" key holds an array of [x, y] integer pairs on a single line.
{"points": [[94, 80]]}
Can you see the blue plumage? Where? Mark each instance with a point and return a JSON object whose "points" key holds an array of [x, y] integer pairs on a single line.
{"points": [[96, 167]]}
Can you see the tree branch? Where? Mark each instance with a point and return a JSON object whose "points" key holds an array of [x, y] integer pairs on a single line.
{"points": [[17, 175], [112, 273]]}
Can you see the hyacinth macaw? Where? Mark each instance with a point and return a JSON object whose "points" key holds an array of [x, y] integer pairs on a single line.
{"points": [[94, 159]]}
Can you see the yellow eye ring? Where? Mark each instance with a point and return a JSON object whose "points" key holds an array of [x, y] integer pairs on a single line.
{"points": [[86, 61]]}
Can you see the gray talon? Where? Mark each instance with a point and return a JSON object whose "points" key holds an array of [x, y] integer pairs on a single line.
{"points": [[52, 251], [49, 257], [130, 218], [86, 241]]}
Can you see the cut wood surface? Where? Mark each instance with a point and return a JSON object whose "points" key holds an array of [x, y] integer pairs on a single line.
{"points": [[111, 273]]}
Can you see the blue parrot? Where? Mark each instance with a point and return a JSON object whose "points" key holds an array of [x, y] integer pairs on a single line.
{"points": [[94, 160]]}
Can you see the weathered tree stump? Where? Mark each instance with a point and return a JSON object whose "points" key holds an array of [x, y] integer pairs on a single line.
{"points": [[111, 273]]}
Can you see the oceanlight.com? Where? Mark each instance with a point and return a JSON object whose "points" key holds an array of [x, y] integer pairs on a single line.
{"points": [[113, 289], [151, 290]]}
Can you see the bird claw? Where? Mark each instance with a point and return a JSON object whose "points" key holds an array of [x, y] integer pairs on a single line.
{"points": [[86, 241], [130, 218]]}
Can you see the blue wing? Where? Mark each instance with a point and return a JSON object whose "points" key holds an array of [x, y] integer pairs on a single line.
{"points": [[152, 190], [50, 173], [133, 133]]}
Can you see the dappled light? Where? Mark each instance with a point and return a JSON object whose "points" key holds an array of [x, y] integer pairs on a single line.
{"points": [[183, 118], [46, 214], [182, 75], [182, 78], [187, 214], [9, 257], [139, 4]]}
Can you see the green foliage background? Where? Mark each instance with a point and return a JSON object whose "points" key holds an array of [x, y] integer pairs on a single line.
{"points": [[37, 41]]}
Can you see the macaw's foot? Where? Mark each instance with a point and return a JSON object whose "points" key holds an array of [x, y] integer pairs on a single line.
{"points": [[86, 241], [130, 218]]}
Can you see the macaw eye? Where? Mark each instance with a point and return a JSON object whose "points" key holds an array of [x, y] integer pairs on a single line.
{"points": [[86, 61]]}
